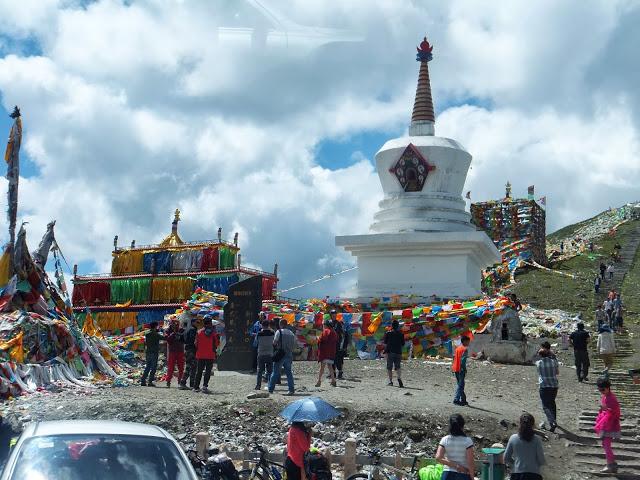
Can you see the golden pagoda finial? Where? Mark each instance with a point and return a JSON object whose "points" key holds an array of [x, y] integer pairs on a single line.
{"points": [[173, 240]]}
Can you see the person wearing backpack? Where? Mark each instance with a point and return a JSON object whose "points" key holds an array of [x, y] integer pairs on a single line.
{"points": [[284, 342], [316, 465], [264, 344], [298, 443]]}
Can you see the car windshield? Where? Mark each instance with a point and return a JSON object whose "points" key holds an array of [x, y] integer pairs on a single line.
{"points": [[112, 457]]}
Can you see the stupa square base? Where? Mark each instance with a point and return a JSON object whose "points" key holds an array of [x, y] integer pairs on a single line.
{"points": [[424, 264]]}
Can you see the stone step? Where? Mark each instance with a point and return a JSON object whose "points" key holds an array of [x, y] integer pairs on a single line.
{"points": [[620, 455], [618, 476], [618, 447], [624, 466], [627, 433], [595, 439], [627, 427]]}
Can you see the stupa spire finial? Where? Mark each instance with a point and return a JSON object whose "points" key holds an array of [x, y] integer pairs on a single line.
{"points": [[423, 117]]}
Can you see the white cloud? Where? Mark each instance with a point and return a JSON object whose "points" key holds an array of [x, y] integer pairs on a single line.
{"points": [[132, 109]]}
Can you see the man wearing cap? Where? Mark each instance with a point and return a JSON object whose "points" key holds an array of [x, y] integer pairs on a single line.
{"points": [[206, 345], [190, 366]]}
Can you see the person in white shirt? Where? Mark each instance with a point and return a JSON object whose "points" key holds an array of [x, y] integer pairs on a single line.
{"points": [[606, 347], [455, 452]]}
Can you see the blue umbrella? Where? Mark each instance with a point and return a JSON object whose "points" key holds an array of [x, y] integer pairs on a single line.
{"points": [[309, 409]]}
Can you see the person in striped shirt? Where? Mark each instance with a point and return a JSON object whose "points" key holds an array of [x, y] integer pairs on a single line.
{"points": [[548, 372]]}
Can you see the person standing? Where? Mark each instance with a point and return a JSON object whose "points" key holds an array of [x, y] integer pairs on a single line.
{"points": [[393, 343], [601, 317], [603, 269], [459, 368], [341, 351], [284, 340], [608, 309], [206, 344], [265, 352], [524, 452], [253, 336], [455, 452], [610, 270], [606, 347], [327, 346], [298, 443], [616, 314], [580, 342], [548, 372], [608, 423], [175, 350], [189, 356], [152, 349], [596, 283]]}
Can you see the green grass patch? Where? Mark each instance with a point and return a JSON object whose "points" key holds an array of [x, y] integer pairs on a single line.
{"points": [[547, 290], [631, 291]]}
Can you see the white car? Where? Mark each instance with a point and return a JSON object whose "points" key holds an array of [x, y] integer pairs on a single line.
{"points": [[87, 449]]}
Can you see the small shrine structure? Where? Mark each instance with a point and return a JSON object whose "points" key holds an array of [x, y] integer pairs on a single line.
{"points": [[148, 282]]}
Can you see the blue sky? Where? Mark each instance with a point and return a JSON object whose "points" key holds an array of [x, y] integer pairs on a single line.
{"points": [[132, 109]]}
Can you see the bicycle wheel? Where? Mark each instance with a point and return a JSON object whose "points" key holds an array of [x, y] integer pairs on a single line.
{"points": [[358, 476], [247, 475]]}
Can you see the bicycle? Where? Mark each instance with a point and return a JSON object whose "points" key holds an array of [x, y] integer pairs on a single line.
{"points": [[378, 469], [263, 468]]}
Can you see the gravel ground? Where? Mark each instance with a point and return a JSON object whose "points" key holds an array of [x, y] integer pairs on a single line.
{"points": [[412, 419]]}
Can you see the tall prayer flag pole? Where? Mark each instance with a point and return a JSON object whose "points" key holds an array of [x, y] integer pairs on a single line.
{"points": [[12, 157]]}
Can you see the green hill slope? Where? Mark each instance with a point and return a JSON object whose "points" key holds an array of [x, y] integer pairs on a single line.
{"points": [[543, 289]]}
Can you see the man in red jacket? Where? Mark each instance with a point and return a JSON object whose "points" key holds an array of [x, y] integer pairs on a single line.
{"points": [[327, 345], [206, 344]]}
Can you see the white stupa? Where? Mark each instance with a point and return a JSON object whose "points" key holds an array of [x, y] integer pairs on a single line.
{"points": [[422, 242]]}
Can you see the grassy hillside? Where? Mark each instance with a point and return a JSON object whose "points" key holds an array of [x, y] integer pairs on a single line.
{"points": [[544, 289], [631, 290]]}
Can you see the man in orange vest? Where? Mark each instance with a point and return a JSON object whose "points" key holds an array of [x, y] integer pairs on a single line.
{"points": [[459, 368]]}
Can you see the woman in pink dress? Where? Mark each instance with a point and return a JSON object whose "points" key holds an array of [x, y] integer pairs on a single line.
{"points": [[608, 423]]}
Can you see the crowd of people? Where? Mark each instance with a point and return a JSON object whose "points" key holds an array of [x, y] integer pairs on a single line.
{"points": [[193, 351]]}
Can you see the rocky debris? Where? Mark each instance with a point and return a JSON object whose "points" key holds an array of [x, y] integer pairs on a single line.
{"points": [[254, 395], [538, 323]]}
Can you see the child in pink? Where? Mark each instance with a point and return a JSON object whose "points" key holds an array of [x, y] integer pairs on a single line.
{"points": [[608, 423]]}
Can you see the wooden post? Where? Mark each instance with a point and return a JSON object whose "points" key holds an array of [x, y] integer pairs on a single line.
{"points": [[349, 458], [398, 460], [245, 458], [327, 454], [202, 444]]}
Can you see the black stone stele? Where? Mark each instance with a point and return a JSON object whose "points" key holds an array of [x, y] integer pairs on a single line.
{"points": [[240, 313]]}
